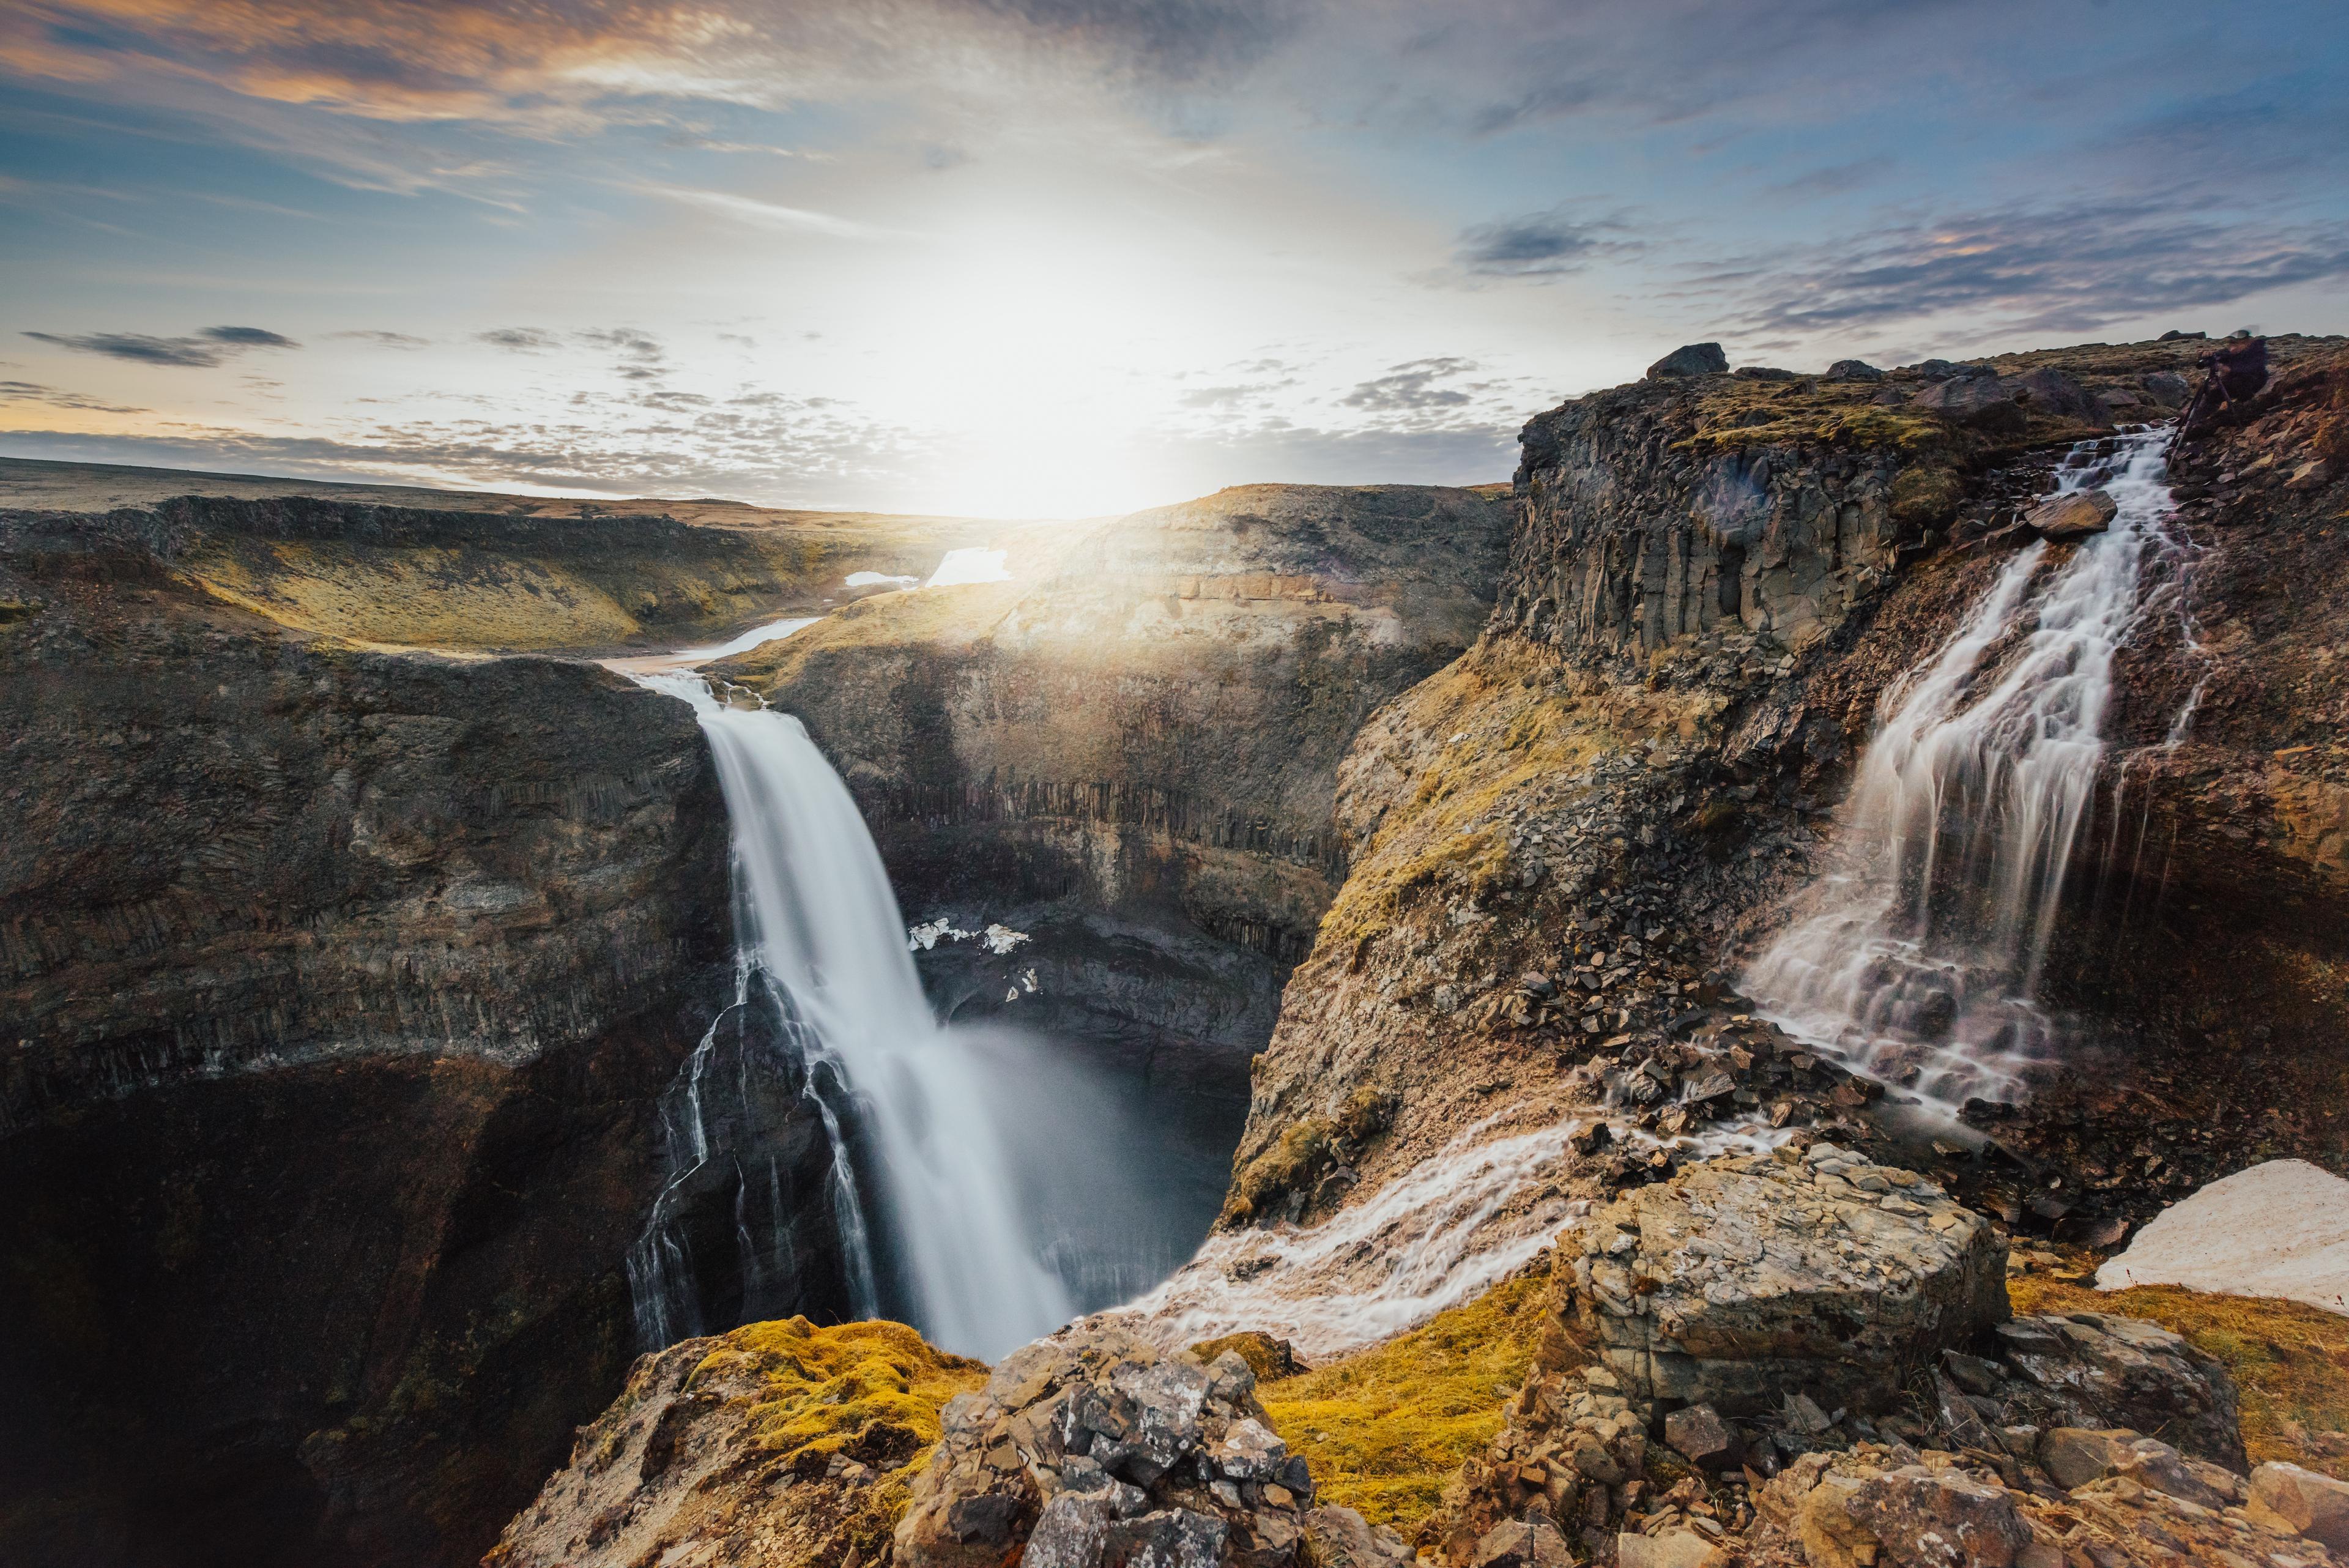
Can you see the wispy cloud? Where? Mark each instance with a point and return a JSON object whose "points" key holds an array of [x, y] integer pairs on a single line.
{"points": [[383, 339], [2042, 268], [210, 346], [766, 215], [1540, 244], [519, 339], [56, 397]]}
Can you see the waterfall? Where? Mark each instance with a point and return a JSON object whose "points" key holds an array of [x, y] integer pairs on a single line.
{"points": [[1917, 958], [987, 1187]]}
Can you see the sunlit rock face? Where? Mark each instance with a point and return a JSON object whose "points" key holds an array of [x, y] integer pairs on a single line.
{"points": [[1128, 751], [1564, 850], [340, 991]]}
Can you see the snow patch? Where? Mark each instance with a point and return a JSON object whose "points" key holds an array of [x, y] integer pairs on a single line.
{"points": [[971, 566], [878, 580], [2280, 1229]]}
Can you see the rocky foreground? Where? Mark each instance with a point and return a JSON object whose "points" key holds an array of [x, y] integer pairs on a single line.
{"points": [[1789, 1358]]}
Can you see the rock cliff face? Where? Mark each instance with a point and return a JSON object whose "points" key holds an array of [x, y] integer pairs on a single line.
{"points": [[1713, 581], [1131, 754], [340, 991]]}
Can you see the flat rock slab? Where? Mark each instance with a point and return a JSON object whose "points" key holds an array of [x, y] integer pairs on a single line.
{"points": [[1746, 1279], [2280, 1229]]}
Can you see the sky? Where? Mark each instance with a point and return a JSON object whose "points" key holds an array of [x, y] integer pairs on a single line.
{"points": [[1073, 257]]}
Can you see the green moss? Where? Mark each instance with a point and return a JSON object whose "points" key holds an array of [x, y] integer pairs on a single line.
{"points": [[1385, 1429], [1928, 496], [866, 1387], [1279, 1170]]}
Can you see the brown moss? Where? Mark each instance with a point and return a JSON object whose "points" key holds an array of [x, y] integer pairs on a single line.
{"points": [[1384, 1428], [2291, 1361], [1270, 1359], [1927, 496]]}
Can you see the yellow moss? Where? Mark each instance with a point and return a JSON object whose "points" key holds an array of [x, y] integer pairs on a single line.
{"points": [[824, 1390], [2291, 1361], [1267, 1357], [1385, 1429], [1448, 831]]}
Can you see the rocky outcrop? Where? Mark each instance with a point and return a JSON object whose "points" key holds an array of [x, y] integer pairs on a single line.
{"points": [[341, 989], [791, 1446], [1747, 1280], [1092, 1449], [1713, 580], [1130, 755]]}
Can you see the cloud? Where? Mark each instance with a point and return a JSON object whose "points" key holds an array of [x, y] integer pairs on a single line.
{"points": [[248, 337], [1540, 244], [766, 214], [642, 358], [211, 345], [1412, 388], [1836, 178], [382, 339], [2040, 268], [519, 339], [32, 392]]}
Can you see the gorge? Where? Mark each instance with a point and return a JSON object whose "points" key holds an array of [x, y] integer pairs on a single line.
{"points": [[425, 1039]]}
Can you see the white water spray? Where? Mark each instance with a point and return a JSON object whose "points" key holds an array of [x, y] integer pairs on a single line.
{"points": [[1918, 959]]}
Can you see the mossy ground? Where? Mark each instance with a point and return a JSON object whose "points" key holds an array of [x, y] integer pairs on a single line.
{"points": [[864, 1389], [2291, 1361], [1385, 1429]]}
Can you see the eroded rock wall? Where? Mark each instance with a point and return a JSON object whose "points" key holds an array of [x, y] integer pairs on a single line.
{"points": [[340, 991], [1617, 791], [1131, 755]]}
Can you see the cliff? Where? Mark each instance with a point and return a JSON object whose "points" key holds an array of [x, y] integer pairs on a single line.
{"points": [[1617, 791], [341, 988], [1132, 754], [396, 567]]}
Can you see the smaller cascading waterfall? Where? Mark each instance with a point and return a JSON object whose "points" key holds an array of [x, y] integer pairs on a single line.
{"points": [[986, 1189], [1917, 958]]}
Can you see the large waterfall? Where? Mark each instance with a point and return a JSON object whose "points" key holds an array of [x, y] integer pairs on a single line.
{"points": [[1918, 958], [985, 1187]]}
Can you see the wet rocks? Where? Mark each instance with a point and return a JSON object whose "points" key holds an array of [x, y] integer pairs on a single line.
{"points": [[1093, 1448], [2072, 517], [1744, 1278], [1690, 359]]}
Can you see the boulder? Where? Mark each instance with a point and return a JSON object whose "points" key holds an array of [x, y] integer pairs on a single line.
{"points": [[2317, 1506], [1668, 1549], [2072, 517], [1093, 1448], [1964, 393], [1700, 1436], [2166, 388], [1939, 1519], [1746, 1277], [1522, 1544], [2074, 1456], [2051, 391], [2091, 1369], [1853, 370], [2278, 1228], [1341, 1538], [1692, 360]]}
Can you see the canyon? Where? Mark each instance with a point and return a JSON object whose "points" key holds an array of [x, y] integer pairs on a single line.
{"points": [[1414, 859]]}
